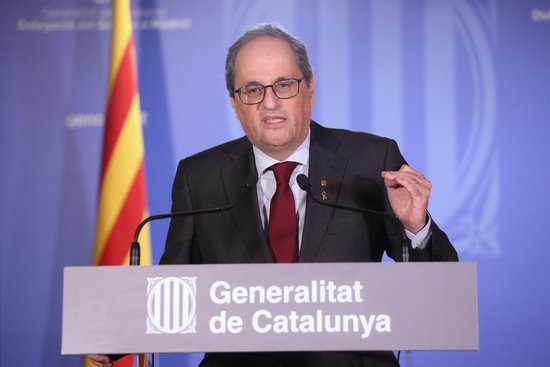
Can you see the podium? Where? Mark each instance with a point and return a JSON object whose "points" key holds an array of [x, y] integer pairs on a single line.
{"points": [[270, 307]]}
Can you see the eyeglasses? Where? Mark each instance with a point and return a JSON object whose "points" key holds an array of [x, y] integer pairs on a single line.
{"points": [[283, 89]]}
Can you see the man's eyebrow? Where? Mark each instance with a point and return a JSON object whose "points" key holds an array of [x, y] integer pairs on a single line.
{"points": [[252, 82], [282, 78]]}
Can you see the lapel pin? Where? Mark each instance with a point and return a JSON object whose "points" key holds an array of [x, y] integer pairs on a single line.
{"points": [[324, 195], [323, 182]]}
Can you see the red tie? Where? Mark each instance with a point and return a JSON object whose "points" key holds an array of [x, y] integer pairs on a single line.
{"points": [[283, 236]]}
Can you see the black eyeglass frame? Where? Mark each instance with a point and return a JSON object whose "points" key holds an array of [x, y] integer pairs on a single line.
{"points": [[238, 91]]}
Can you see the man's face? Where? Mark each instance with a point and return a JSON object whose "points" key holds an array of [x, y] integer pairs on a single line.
{"points": [[275, 126]]}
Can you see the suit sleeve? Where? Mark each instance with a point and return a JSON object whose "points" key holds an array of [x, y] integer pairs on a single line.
{"points": [[180, 240], [438, 248]]}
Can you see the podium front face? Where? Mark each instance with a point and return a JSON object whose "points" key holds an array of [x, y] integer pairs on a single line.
{"points": [[270, 307]]}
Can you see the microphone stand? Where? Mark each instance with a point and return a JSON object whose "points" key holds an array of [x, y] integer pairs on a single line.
{"points": [[135, 251], [303, 182]]}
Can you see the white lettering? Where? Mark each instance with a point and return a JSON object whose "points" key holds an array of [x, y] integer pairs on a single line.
{"points": [[274, 294], [539, 15], [220, 324], [260, 291], [357, 287], [287, 290], [217, 323], [307, 324], [332, 328], [224, 294], [301, 294], [264, 321], [322, 291], [280, 324], [383, 323], [319, 321], [344, 294], [255, 321], [367, 325], [240, 295], [350, 318], [221, 292], [331, 288], [234, 324]]}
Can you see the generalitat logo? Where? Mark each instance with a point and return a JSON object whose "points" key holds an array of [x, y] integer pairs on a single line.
{"points": [[171, 305]]}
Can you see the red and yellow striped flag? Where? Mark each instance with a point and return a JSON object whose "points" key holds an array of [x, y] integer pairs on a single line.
{"points": [[122, 200]]}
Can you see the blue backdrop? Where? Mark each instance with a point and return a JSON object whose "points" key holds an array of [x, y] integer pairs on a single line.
{"points": [[463, 86]]}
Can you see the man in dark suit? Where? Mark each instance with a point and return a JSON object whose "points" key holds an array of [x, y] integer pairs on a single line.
{"points": [[272, 91]]}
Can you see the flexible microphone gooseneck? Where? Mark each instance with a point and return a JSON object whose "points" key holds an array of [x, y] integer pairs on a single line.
{"points": [[303, 182], [135, 251]]}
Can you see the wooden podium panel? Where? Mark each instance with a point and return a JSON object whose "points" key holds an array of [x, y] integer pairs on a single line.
{"points": [[270, 307]]}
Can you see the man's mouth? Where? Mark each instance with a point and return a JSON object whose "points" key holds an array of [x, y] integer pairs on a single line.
{"points": [[273, 120]]}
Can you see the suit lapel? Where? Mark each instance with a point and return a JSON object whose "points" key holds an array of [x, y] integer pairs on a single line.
{"points": [[326, 171], [246, 214]]}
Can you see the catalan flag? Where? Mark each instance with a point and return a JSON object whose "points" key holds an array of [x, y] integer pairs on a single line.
{"points": [[122, 200]]}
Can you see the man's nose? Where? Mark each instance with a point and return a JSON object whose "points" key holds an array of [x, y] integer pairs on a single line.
{"points": [[270, 99]]}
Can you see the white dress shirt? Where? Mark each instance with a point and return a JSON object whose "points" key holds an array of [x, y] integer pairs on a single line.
{"points": [[267, 185]]}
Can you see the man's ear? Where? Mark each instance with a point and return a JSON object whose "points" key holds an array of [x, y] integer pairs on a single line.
{"points": [[233, 104], [312, 90]]}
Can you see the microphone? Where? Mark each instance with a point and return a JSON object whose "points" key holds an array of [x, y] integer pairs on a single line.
{"points": [[303, 182], [249, 183]]}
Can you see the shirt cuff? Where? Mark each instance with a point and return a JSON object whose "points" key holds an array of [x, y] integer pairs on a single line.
{"points": [[420, 240]]}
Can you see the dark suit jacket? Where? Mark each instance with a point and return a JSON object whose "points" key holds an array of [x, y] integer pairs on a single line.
{"points": [[350, 164]]}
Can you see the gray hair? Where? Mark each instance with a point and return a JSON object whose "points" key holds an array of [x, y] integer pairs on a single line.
{"points": [[298, 47]]}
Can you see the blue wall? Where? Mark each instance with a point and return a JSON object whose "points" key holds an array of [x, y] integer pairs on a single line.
{"points": [[464, 87]]}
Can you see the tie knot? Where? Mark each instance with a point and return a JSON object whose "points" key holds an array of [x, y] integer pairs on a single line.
{"points": [[283, 171]]}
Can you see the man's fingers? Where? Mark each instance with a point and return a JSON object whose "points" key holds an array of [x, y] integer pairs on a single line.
{"points": [[409, 178], [100, 360]]}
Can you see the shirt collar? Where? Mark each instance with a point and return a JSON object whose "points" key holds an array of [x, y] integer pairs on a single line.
{"points": [[300, 155]]}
